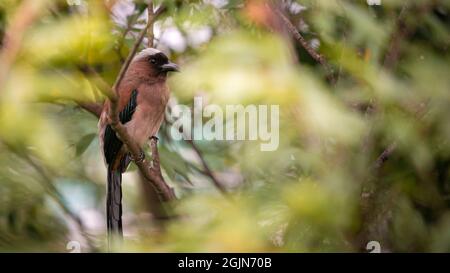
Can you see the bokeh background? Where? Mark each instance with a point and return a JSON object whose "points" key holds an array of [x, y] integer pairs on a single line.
{"points": [[364, 149]]}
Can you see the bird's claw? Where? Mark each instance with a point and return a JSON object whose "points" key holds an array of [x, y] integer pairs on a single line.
{"points": [[140, 158]]}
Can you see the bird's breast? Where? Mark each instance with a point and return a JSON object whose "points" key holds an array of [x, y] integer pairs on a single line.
{"points": [[149, 113]]}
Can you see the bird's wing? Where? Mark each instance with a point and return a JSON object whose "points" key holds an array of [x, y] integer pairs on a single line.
{"points": [[111, 143]]}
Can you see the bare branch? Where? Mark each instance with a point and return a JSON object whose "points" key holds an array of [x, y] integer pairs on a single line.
{"points": [[206, 170], [154, 15], [91, 107], [399, 34], [403, 31], [385, 155], [159, 11], [151, 18], [122, 40], [302, 41], [127, 63]]}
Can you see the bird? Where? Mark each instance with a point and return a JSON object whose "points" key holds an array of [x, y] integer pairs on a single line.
{"points": [[143, 95]]}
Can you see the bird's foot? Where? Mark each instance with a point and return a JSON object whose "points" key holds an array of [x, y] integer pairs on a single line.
{"points": [[140, 158], [154, 138]]}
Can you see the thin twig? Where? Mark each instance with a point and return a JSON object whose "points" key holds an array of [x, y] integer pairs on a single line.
{"points": [[154, 16], [122, 40], [127, 63], [399, 34], [159, 11], [385, 155], [302, 41], [207, 170], [150, 196], [95, 108], [92, 107], [151, 18], [391, 60]]}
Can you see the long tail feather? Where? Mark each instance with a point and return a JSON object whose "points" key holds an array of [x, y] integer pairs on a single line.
{"points": [[114, 203]]}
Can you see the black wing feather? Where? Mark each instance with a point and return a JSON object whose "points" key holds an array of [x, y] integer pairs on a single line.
{"points": [[111, 143]]}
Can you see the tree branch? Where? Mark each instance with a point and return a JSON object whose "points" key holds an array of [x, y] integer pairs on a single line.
{"points": [[206, 170], [122, 40], [151, 18], [399, 34], [154, 15], [302, 41], [92, 107], [385, 155], [391, 59]]}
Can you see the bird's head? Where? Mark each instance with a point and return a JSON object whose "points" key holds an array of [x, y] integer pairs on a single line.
{"points": [[154, 62]]}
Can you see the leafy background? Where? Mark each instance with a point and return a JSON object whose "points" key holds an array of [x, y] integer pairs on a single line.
{"points": [[382, 93]]}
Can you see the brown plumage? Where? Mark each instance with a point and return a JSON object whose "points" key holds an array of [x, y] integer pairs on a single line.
{"points": [[143, 96]]}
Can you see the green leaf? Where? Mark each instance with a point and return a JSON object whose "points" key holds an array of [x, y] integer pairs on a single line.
{"points": [[84, 143], [173, 164]]}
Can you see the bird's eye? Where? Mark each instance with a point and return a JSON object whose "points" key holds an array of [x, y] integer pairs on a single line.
{"points": [[153, 61]]}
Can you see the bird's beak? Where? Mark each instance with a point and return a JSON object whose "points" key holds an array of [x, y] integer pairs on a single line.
{"points": [[170, 67]]}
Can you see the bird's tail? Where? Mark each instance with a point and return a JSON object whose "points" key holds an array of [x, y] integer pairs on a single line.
{"points": [[114, 202]]}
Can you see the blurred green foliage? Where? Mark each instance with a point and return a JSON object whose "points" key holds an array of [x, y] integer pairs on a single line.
{"points": [[322, 190]]}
